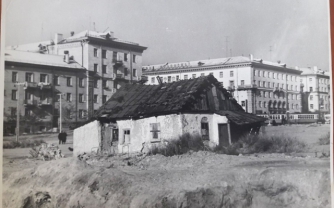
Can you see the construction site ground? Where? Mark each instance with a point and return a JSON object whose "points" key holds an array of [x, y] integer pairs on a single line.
{"points": [[195, 179]]}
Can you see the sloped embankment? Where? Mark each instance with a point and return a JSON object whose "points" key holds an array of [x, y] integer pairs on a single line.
{"points": [[199, 179]]}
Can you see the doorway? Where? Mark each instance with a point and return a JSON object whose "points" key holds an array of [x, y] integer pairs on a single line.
{"points": [[223, 135]]}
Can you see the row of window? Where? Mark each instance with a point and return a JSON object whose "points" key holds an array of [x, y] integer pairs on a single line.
{"points": [[277, 105], [274, 95], [322, 81], [274, 75], [29, 96], [29, 112], [104, 70], [322, 106], [321, 97], [114, 55]]}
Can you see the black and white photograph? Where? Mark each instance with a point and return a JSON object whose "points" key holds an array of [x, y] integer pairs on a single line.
{"points": [[166, 103]]}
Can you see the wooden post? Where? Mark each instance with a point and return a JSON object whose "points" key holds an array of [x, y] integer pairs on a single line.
{"points": [[229, 132]]}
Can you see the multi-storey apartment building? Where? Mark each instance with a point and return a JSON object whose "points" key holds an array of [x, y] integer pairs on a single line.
{"points": [[45, 80], [261, 87], [316, 90], [109, 61]]}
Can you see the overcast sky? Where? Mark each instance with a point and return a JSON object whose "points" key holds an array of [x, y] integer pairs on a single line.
{"points": [[185, 30]]}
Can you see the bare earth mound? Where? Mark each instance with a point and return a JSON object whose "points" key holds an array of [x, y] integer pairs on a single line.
{"points": [[199, 179]]}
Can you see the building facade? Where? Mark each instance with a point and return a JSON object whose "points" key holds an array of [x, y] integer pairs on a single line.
{"points": [[44, 80], [316, 90], [109, 61], [259, 86]]}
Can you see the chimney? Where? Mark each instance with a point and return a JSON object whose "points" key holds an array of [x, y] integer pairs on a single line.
{"points": [[58, 38], [251, 57], [72, 33], [296, 67], [315, 68], [66, 57]]}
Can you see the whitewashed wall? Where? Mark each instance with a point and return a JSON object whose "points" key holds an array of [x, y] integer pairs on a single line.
{"points": [[171, 127], [86, 138]]}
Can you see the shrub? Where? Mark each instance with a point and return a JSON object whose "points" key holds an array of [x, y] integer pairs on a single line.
{"points": [[325, 139], [263, 144], [22, 144], [178, 146]]}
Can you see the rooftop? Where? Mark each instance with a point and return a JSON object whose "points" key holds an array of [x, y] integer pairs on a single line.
{"points": [[185, 96], [210, 62], [38, 58]]}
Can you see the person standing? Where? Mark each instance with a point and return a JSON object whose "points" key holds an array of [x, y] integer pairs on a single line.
{"points": [[60, 137]]}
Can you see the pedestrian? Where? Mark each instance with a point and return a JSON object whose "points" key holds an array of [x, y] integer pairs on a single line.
{"points": [[64, 137], [60, 137]]}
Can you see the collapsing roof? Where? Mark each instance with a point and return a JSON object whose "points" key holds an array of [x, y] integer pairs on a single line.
{"points": [[200, 95]]}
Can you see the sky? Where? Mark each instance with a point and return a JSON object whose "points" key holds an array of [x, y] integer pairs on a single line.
{"points": [[294, 32]]}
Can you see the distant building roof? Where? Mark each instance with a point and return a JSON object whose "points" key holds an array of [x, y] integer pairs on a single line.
{"points": [[185, 96], [40, 59], [30, 47], [313, 71], [210, 62]]}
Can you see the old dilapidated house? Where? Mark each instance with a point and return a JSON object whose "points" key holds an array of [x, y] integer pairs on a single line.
{"points": [[140, 115]]}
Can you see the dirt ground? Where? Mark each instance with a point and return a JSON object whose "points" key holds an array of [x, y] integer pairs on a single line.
{"points": [[197, 179]]}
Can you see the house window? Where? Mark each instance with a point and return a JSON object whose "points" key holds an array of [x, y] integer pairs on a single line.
{"points": [[81, 96], [29, 77], [155, 130], [134, 58], [270, 94], [95, 83], [81, 82], [311, 89], [205, 128], [185, 76], [242, 82], [311, 97], [264, 74], [43, 78], [134, 72], [104, 54], [127, 136], [221, 74], [231, 83], [152, 79], [268, 84], [13, 111], [264, 84], [14, 77], [259, 84], [177, 77], [292, 106], [69, 81], [68, 97], [56, 80], [95, 67], [125, 57], [125, 72], [274, 75], [165, 79], [173, 79], [310, 79], [104, 99], [194, 76], [114, 56], [95, 98], [260, 93], [104, 69], [260, 104], [169, 79], [264, 94], [202, 74], [243, 103], [265, 104], [258, 74], [81, 113], [105, 83], [231, 74], [28, 96], [95, 52], [14, 94]]}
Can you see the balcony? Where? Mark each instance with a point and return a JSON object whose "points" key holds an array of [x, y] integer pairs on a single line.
{"points": [[30, 103], [231, 88], [35, 85], [45, 102], [247, 87], [117, 62], [119, 77]]}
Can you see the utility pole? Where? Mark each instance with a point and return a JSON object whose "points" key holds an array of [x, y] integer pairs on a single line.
{"points": [[270, 49], [18, 109], [226, 43], [287, 99], [60, 113]]}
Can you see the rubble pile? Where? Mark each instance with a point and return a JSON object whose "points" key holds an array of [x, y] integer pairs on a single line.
{"points": [[46, 152]]}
